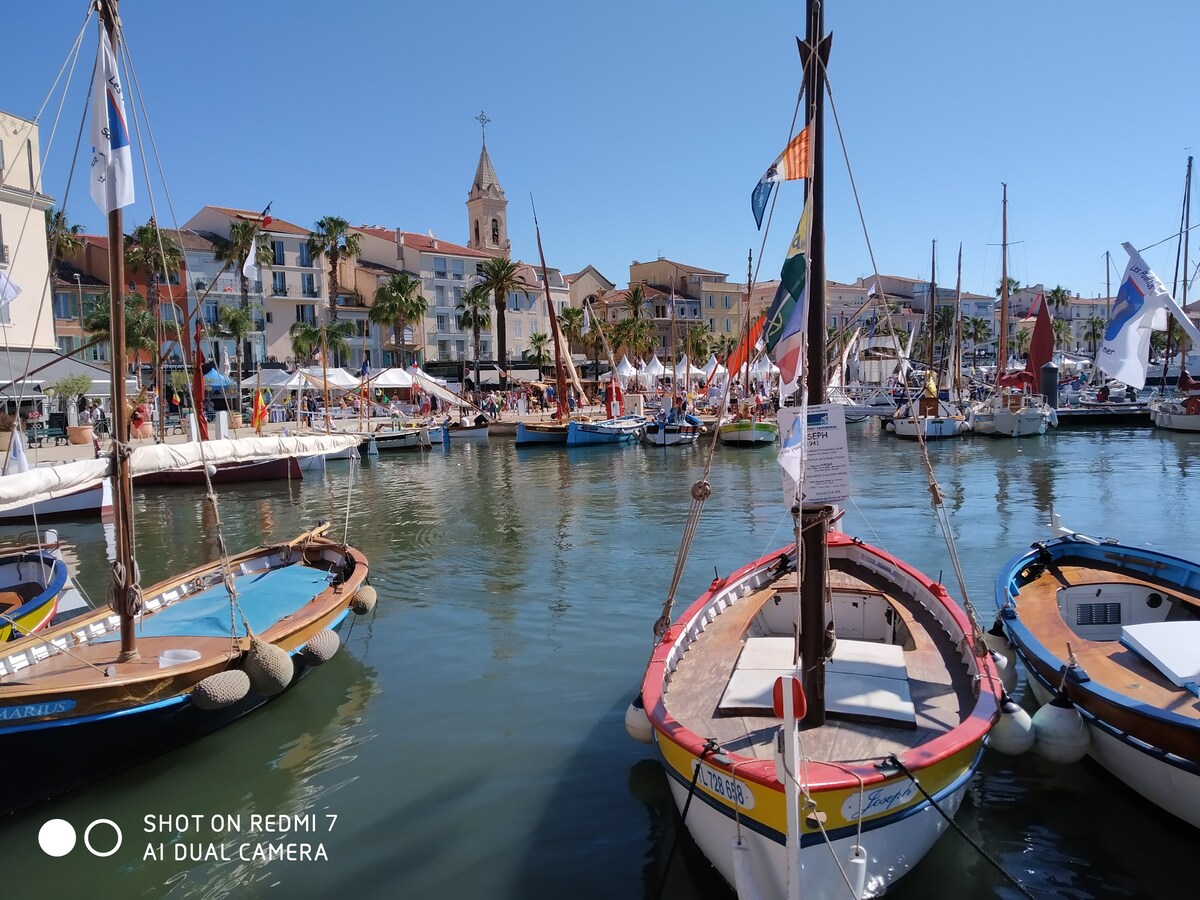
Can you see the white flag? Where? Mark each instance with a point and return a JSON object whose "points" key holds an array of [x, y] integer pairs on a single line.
{"points": [[587, 320], [112, 159], [1140, 307], [250, 266], [17, 460], [9, 289]]}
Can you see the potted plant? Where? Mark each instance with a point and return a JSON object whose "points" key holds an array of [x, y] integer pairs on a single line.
{"points": [[7, 423], [68, 390]]}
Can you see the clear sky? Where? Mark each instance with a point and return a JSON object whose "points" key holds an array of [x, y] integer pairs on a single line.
{"points": [[641, 126]]}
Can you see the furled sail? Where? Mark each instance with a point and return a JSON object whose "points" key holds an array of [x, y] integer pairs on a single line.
{"points": [[189, 455], [47, 482]]}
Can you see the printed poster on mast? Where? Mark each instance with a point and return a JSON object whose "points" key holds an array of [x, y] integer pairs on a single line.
{"points": [[816, 445]]}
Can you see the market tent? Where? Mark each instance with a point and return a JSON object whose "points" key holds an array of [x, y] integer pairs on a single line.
{"points": [[333, 379], [389, 378], [713, 368], [214, 379], [763, 366], [275, 380]]}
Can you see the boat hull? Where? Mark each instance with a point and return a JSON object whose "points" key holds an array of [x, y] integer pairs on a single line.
{"points": [[540, 435], [1173, 416], [93, 502], [405, 440], [744, 433], [671, 434], [740, 793], [226, 473], [1148, 742], [612, 431]]}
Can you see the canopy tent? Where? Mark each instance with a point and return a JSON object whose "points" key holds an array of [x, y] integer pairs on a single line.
{"points": [[213, 378], [333, 379], [275, 380], [713, 368], [763, 366], [389, 378], [654, 368], [689, 371]]}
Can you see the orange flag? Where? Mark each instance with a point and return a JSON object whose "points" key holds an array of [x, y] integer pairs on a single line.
{"points": [[258, 418]]}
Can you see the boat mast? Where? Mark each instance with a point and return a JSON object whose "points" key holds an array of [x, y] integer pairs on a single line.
{"points": [[1185, 224], [930, 313], [814, 518], [1002, 340], [956, 345], [560, 378], [124, 568], [749, 348]]}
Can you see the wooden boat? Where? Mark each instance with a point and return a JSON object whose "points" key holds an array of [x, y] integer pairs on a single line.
{"points": [[659, 433], [849, 804], [179, 659], [392, 440], [1113, 629], [1016, 408], [748, 432], [33, 582], [535, 434], [928, 418], [621, 430], [225, 473], [91, 502]]}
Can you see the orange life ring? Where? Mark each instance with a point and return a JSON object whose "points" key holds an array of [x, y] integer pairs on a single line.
{"points": [[1192, 407]]}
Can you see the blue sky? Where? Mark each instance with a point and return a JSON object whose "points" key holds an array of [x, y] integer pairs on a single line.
{"points": [[641, 126]]}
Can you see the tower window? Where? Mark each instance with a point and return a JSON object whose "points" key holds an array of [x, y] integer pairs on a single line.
{"points": [[477, 232], [495, 231]]}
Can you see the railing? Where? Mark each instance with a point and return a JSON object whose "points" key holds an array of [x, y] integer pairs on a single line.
{"points": [[4, 254], [279, 290], [311, 293]]}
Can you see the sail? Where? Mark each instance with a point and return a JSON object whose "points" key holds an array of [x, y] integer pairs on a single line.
{"points": [[745, 349]]}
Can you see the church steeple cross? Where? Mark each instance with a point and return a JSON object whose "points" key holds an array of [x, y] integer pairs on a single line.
{"points": [[483, 120]]}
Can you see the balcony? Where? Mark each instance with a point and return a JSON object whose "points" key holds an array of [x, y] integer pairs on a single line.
{"points": [[310, 293], [279, 290]]}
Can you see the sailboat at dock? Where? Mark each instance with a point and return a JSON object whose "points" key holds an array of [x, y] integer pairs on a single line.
{"points": [[164, 664], [819, 710]]}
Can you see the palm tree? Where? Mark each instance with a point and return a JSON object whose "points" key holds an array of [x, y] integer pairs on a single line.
{"points": [[978, 331], [236, 324], [635, 298], [306, 339], [398, 302], [1059, 298], [333, 238], [1093, 330], [1013, 286], [473, 313], [233, 252], [539, 341], [62, 238], [139, 326], [1062, 334], [570, 320], [1020, 340], [696, 340], [500, 279]]}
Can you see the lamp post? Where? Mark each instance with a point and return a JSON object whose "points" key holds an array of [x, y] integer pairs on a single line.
{"points": [[79, 295]]}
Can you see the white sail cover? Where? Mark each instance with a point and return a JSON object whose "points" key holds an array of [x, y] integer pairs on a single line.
{"points": [[189, 455], [47, 482]]}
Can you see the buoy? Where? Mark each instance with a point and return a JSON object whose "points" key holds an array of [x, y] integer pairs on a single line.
{"points": [[210, 469], [890, 426], [1062, 735], [1013, 732], [856, 869], [269, 667], [637, 725], [364, 600], [1007, 670], [320, 647], [221, 690]]}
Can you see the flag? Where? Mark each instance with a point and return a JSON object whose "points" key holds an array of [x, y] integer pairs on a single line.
{"points": [[791, 164], [112, 158], [587, 320], [9, 290], [258, 417], [250, 267], [671, 305], [198, 384], [741, 353], [17, 460], [1140, 307], [175, 398], [787, 317], [362, 372]]}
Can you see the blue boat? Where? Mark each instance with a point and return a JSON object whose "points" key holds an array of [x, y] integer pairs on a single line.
{"points": [[621, 430], [535, 435]]}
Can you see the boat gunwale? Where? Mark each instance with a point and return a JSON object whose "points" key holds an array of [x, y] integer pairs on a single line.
{"points": [[821, 775]]}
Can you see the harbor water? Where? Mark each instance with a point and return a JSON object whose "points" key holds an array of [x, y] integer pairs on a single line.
{"points": [[468, 740]]}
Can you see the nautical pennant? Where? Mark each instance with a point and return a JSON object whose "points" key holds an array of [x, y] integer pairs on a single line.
{"points": [[787, 317]]}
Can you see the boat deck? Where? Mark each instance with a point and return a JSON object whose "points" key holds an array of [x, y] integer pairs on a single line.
{"points": [[695, 689], [1109, 663]]}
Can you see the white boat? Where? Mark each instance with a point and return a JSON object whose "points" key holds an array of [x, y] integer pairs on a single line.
{"points": [[662, 433], [1016, 408], [90, 502], [927, 417], [820, 710]]}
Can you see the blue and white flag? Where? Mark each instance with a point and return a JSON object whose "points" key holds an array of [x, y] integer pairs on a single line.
{"points": [[17, 460], [1141, 307], [587, 319], [112, 158], [250, 267]]}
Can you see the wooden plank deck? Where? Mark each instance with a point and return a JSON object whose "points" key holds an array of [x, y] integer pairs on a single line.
{"points": [[695, 688]]}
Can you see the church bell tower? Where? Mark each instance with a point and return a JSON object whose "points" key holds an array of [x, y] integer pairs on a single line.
{"points": [[487, 209]]}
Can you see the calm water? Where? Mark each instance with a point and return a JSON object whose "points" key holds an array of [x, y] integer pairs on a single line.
{"points": [[469, 737]]}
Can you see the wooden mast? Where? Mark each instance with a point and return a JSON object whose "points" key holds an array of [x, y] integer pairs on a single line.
{"points": [[956, 344], [814, 518], [1002, 339], [560, 378], [931, 317], [124, 568]]}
